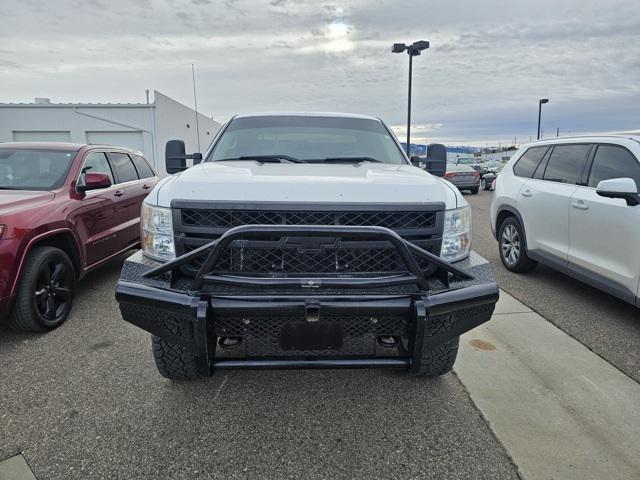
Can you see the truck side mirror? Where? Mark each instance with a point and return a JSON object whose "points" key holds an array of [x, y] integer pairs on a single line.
{"points": [[175, 158], [436, 162]]}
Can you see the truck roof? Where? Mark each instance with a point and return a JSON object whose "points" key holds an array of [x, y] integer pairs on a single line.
{"points": [[305, 114]]}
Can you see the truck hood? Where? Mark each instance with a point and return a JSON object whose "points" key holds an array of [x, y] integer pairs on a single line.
{"points": [[305, 183], [13, 201]]}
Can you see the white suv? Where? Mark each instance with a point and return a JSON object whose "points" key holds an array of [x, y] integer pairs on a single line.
{"points": [[573, 204]]}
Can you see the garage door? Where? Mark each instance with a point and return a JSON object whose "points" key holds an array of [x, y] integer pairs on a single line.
{"points": [[121, 139], [41, 136]]}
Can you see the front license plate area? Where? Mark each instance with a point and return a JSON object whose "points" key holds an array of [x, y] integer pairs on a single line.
{"points": [[311, 336]]}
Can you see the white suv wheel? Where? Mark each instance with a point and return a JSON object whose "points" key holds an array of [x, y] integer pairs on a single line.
{"points": [[510, 245]]}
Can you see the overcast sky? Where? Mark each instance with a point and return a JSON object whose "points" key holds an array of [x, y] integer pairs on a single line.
{"points": [[489, 63]]}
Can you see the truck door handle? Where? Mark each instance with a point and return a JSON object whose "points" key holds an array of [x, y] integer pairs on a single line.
{"points": [[527, 193], [580, 205], [118, 193]]}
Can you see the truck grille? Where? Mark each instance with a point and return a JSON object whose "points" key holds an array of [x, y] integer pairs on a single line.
{"points": [[195, 227], [241, 258], [235, 218]]}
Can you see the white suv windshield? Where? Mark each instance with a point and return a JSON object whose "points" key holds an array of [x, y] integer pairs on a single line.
{"points": [[307, 139]]}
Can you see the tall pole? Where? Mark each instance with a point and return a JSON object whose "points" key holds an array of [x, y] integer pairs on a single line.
{"points": [[539, 116], [195, 104], [409, 105]]}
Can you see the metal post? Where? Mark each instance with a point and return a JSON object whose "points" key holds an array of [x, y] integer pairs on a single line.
{"points": [[409, 105], [539, 115], [195, 104]]}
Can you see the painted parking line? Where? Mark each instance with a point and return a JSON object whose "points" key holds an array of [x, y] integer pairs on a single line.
{"points": [[15, 468], [559, 409]]}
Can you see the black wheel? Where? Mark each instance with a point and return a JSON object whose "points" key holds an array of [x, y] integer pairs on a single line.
{"points": [[474, 191], [45, 292], [483, 184], [439, 360], [173, 360], [513, 251]]}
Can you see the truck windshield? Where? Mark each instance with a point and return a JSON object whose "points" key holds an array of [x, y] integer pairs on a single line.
{"points": [[308, 139], [33, 169]]}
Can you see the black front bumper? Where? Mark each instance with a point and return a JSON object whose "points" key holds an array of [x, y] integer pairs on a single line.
{"points": [[265, 320]]}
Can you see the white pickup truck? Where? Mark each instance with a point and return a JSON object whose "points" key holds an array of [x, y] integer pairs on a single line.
{"points": [[304, 241]]}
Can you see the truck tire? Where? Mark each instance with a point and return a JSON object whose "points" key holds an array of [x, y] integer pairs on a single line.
{"points": [[512, 247], [439, 360], [173, 360], [474, 191], [45, 291]]}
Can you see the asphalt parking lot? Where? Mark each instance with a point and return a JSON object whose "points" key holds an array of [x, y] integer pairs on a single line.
{"points": [[85, 401], [601, 322]]}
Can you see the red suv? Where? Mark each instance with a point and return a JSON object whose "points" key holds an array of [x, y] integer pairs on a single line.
{"points": [[64, 210]]}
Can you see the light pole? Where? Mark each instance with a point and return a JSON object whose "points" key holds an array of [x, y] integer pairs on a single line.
{"points": [[540, 102], [412, 50]]}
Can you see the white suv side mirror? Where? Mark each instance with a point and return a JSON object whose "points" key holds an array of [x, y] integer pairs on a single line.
{"points": [[624, 188]]}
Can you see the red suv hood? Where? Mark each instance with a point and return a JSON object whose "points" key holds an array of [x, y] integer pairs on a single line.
{"points": [[13, 201]]}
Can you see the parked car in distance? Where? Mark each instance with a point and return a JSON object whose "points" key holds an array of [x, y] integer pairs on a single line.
{"points": [[64, 210], [573, 204], [476, 163], [487, 180], [464, 177]]}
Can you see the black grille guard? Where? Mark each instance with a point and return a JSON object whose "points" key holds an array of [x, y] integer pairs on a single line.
{"points": [[405, 249]]}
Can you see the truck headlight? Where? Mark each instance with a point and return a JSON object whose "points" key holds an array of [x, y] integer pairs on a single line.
{"points": [[157, 233], [456, 239]]}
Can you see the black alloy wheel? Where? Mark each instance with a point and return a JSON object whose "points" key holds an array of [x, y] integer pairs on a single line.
{"points": [[53, 291]]}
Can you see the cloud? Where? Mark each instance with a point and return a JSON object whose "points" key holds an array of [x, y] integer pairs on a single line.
{"points": [[488, 63]]}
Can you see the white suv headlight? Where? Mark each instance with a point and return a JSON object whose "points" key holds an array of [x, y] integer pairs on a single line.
{"points": [[456, 239], [157, 233]]}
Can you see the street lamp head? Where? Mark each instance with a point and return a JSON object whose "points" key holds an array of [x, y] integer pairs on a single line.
{"points": [[398, 48], [420, 45], [544, 100]]}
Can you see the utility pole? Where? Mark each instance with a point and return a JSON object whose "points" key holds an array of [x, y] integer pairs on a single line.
{"points": [[195, 104], [558, 132]]}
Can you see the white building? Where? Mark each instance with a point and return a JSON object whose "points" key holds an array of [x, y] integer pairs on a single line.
{"points": [[142, 126]]}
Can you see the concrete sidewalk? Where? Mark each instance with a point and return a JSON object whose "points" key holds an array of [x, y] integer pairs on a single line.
{"points": [[15, 468], [560, 410]]}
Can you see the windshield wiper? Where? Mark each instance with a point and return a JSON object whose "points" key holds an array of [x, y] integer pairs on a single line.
{"points": [[349, 160], [263, 159]]}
